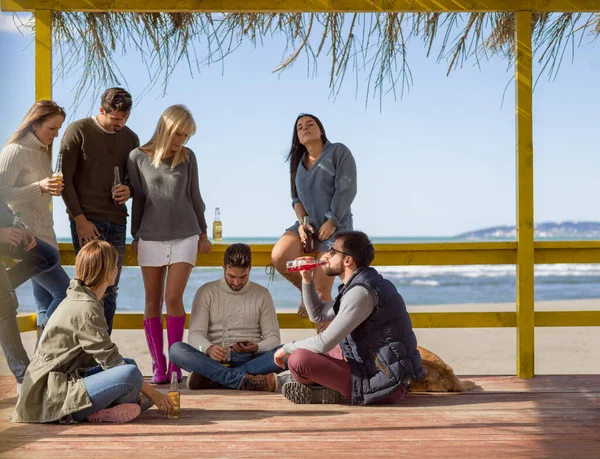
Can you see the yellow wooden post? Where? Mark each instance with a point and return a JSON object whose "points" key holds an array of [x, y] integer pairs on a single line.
{"points": [[43, 54], [525, 260]]}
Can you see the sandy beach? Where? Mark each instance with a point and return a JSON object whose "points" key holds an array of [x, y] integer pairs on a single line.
{"points": [[482, 351]]}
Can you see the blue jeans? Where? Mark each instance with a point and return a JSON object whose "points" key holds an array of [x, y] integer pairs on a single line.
{"points": [[105, 388], [190, 359], [49, 295], [34, 263], [115, 234], [10, 338]]}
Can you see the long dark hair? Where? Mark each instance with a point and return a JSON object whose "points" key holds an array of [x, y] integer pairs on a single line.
{"points": [[297, 150]]}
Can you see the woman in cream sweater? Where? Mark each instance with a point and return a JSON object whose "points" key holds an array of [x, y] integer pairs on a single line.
{"points": [[27, 186]]}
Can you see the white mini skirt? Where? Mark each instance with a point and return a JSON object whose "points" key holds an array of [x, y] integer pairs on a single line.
{"points": [[165, 253]]}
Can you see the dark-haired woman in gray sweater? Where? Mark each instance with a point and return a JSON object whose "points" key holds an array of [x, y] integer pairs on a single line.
{"points": [[323, 185]]}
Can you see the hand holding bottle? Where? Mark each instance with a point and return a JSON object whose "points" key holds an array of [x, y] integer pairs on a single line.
{"points": [[11, 236], [162, 401], [305, 228], [121, 193], [52, 185], [216, 352]]}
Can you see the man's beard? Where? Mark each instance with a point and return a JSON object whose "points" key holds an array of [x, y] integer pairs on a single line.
{"points": [[332, 272]]}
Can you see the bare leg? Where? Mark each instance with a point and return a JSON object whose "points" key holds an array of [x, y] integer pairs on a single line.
{"points": [[177, 279], [154, 286], [289, 247]]}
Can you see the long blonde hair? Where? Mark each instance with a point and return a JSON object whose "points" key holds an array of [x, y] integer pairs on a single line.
{"points": [[37, 114], [95, 262], [174, 119]]}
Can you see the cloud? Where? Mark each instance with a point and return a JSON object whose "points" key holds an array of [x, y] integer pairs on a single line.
{"points": [[10, 23]]}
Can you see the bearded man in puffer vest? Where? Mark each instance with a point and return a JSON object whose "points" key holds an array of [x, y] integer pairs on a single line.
{"points": [[369, 352]]}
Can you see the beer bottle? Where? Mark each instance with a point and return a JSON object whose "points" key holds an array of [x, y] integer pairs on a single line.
{"points": [[17, 223], [217, 226], [58, 173], [308, 243], [225, 344], [116, 181], [175, 396]]}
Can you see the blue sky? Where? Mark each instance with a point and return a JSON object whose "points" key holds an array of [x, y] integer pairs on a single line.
{"points": [[437, 162]]}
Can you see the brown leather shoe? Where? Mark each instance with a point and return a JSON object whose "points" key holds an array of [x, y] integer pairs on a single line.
{"points": [[196, 381], [266, 383]]}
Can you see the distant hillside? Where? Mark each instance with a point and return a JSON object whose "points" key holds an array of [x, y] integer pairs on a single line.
{"points": [[574, 229]]}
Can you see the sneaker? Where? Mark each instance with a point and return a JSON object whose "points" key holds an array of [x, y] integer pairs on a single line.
{"points": [[283, 379], [119, 414], [266, 383], [302, 394], [196, 381]]}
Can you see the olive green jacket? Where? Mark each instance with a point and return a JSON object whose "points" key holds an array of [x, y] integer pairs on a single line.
{"points": [[74, 340]]}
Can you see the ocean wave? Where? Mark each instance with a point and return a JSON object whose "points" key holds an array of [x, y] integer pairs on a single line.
{"points": [[478, 271], [425, 283]]}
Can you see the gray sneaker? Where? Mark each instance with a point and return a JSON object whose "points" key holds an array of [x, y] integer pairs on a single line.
{"points": [[302, 394], [284, 379]]}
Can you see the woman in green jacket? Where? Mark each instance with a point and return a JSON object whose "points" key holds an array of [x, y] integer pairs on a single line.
{"points": [[77, 373]]}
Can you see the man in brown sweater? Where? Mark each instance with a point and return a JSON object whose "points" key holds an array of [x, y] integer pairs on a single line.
{"points": [[92, 148]]}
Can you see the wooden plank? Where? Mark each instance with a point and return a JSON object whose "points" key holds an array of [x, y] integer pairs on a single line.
{"points": [[369, 6], [567, 319], [547, 416], [409, 254], [417, 254], [134, 320]]}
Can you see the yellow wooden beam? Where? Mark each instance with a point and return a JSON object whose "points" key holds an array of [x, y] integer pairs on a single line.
{"points": [[43, 55], [135, 320], [567, 252], [525, 248], [463, 319], [567, 319], [27, 322], [484, 253], [385, 254], [255, 6]]}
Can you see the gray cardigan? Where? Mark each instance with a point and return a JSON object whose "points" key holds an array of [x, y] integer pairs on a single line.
{"points": [[327, 190], [167, 204]]}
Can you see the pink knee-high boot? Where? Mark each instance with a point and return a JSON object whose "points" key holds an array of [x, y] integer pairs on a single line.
{"points": [[154, 337], [175, 327]]}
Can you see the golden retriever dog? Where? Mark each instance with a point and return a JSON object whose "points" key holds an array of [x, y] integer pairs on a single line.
{"points": [[439, 376]]}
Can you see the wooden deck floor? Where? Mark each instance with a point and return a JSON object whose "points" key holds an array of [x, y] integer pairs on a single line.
{"points": [[549, 416]]}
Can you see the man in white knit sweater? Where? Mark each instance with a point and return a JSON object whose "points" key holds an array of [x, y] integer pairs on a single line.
{"points": [[241, 309]]}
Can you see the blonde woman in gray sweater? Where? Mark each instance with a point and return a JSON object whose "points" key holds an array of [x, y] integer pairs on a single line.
{"points": [[168, 227], [27, 186]]}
